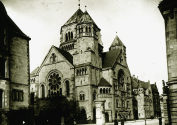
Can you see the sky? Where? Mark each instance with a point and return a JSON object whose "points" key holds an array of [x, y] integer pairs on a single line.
{"points": [[138, 24]]}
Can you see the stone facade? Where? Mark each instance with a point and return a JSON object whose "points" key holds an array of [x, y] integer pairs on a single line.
{"points": [[142, 94], [80, 70], [156, 101], [168, 10], [14, 65]]}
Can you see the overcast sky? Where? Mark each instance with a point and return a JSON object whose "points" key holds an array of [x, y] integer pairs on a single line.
{"points": [[138, 24]]}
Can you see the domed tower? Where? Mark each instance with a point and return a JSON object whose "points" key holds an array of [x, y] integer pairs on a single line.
{"points": [[168, 10]]}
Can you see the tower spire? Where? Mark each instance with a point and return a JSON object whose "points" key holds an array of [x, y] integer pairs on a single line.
{"points": [[79, 4]]}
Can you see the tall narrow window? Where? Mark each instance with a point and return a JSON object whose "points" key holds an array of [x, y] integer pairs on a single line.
{"points": [[67, 88], [66, 37], [2, 68], [94, 95], [86, 29], [1, 98], [89, 29], [71, 35], [82, 96], [43, 91], [53, 58], [101, 90]]}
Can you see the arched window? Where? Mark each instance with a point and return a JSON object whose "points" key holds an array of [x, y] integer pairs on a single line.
{"points": [[94, 95], [43, 91], [54, 84], [104, 91], [83, 71], [82, 96], [121, 77], [71, 35], [67, 88], [101, 90], [60, 91], [53, 58], [81, 30], [89, 29], [66, 37], [86, 29]]}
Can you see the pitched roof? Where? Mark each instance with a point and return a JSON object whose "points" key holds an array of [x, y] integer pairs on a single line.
{"points": [[110, 57], [75, 17], [86, 18], [144, 85], [136, 83], [117, 42], [34, 72], [66, 54], [9, 23], [167, 4], [104, 83]]}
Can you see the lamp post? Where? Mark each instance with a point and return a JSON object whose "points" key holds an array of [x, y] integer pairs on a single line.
{"points": [[144, 115]]}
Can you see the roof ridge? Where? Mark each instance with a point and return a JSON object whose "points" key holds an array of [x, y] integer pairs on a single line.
{"points": [[74, 17]]}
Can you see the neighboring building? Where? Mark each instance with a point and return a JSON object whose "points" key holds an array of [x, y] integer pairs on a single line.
{"points": [[168, 10], [161, 106], [156, 101], [80, 70], [143, 99], [14, 65]]}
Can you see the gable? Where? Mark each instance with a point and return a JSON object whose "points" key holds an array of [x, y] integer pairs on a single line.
{"points": [[56, 55]]}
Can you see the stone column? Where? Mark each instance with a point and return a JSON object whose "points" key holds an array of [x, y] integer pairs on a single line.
{"points": [[168, 10], [100, 112]]}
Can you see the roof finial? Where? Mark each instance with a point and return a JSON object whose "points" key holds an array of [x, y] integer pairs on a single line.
{"points": [[85, 8], [79, 4]]}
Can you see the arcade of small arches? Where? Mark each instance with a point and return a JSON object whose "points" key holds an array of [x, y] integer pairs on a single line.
{"points": [[86, 29], [54, 86], [105, 90], [81, 71], [68, 47]]}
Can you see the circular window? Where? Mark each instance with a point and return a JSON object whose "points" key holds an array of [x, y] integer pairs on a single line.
{"points": [[54, 84]]}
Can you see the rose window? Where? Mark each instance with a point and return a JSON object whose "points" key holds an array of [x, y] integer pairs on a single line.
{"points": [[54, 84]]}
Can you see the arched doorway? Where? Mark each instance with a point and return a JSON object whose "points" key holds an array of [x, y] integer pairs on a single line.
{"points": [[83, 116], [106, 117], [94, 115]]}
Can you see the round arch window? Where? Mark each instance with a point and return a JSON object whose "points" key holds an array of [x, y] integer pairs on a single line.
{"points": [[121, 77], [54, 80]]}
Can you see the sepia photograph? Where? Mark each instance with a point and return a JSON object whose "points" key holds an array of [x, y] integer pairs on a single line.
{"points": [[88, 62]]}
